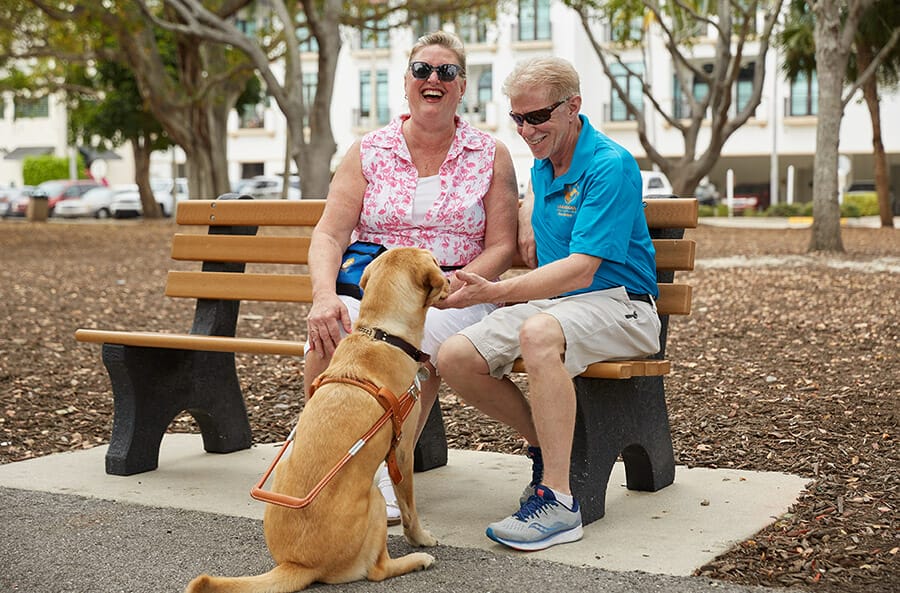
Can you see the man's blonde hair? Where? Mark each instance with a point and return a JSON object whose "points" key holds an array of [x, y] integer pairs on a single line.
{"points": [[556, 75]]}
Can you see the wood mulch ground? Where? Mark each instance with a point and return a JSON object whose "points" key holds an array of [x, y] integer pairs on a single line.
{"points": [[790, 362]]}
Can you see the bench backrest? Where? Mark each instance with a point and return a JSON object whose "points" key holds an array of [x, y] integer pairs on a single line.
{"points": [[233, 240]]}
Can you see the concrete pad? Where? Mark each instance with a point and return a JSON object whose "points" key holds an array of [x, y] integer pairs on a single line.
{"points": [[673, 531]]}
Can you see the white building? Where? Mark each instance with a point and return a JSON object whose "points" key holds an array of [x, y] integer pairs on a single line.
{"points": [[369, 91]]}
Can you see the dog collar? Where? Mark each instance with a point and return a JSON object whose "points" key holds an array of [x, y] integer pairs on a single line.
{"points": [[383, 336]]}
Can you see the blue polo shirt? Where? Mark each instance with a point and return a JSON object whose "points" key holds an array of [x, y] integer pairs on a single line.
{"points": [[596, 209]]}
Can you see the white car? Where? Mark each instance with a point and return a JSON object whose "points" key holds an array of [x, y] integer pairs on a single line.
{"points": [[266, 187], [168, 193], [126, 204], [94, 203], [655, 184]]}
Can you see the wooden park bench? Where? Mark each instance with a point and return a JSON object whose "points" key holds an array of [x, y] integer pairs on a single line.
{"points": [[156, 376]]}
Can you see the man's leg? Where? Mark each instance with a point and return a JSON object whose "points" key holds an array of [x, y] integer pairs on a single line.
{"points": [[550, 516], [467, 373], [552, 396]]}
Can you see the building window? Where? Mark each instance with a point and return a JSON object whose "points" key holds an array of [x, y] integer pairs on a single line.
{"points": [[28, 108], [534, 20], [375, 34], [472, 27], [310, 82], [805, 94], [253, 116], [427, 24], [744, 88], [631, 84], [381, 114], [474, 105], [307, 42]]}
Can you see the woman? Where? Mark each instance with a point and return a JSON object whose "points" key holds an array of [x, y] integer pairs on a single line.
{"points": [[428, 179]]}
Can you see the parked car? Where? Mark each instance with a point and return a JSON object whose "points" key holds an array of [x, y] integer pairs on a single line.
{"points": [[16, 200], [655, 185], [58, 190], [94, 203], [266, 187], [168, 193], [126, 204]]}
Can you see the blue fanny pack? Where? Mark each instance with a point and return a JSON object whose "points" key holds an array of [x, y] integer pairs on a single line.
{"points": [[357, 256]]}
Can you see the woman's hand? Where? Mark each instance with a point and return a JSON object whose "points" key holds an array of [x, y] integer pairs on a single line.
{"points": [[327, 317]]}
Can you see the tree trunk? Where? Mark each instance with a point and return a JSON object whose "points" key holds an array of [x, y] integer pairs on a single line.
{"points": [[141, 147], [831, 64], [864, 57]]}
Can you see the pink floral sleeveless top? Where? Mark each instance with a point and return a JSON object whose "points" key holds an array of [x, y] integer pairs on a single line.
{"points": [[453, 229]]}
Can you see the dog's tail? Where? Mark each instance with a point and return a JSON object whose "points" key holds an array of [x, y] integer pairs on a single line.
{"points": [[284, 578]]}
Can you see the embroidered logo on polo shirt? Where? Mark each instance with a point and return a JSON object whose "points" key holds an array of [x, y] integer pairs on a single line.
{"points": [[567, 209]]}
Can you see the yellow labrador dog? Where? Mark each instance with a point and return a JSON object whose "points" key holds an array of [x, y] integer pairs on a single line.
{"points": [[341, 535]]}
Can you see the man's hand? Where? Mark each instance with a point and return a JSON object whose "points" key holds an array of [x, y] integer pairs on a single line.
{"points": [[471, 289]]}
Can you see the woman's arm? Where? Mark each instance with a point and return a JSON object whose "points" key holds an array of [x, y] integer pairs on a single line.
{"points": [[330, 238], [500, 205]]}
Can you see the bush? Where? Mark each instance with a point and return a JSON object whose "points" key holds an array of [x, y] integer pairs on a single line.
{"points": [[37, 169], [866, 203]]}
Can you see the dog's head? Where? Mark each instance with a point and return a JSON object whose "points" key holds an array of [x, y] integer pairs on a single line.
{"points": [[398, 270]]}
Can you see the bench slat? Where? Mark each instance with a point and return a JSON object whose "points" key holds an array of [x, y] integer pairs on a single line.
{"points": [[675, 254], [660, 213], [671, 213], [191, 342], [617, 369], [674, 299], [241, 248], [285, 288], [250, 212]]}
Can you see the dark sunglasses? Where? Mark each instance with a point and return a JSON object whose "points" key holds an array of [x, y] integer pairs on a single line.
{"points": [[536, 117], [445, 72]]}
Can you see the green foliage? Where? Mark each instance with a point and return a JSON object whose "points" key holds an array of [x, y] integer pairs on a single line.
{"points": [[37, 169], [865, 203]]}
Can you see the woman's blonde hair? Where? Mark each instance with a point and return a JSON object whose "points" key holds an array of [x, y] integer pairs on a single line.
{"points": [[556, 75], [443, 39]]}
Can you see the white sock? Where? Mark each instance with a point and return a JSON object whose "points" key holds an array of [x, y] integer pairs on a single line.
{"points": [[567, 499]]}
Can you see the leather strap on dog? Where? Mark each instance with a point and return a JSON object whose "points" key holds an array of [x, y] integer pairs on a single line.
{"points": [[398, 409], [395, 409]]}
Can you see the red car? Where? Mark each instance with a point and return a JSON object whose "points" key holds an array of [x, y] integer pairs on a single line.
{"points": [[63, 189]]}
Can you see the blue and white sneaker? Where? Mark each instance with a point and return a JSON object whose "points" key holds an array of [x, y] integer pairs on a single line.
{"points": [[541, 522]]}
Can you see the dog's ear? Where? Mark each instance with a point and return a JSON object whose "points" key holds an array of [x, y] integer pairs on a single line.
{"points": [[367, 272], [436, 284]]}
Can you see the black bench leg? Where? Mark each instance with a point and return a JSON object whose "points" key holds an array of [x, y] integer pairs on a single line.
{"points": [[431, 449], [151, 386], [619, 416]]}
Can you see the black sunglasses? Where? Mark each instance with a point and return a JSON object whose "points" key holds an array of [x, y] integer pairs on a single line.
{"points": [[536, 117], [445, 72]]}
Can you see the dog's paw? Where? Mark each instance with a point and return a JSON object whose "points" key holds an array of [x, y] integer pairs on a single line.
{"points": [[425, 560], [422, 539]]}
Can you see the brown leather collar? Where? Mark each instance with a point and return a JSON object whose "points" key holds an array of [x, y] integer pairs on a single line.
{"points": [[383, 336]]}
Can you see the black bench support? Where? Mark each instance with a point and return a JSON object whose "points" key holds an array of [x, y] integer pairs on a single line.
{"points": [[151, 386]]}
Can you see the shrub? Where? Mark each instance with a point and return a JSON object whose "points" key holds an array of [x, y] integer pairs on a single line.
{"points": [[866, 203], [37, 169]]}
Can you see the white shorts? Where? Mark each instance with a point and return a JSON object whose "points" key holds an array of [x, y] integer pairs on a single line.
{"points": [[440, 324], [598, 326]]}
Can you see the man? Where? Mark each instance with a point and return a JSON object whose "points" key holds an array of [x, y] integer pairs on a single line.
{"points": [[590, 298]]}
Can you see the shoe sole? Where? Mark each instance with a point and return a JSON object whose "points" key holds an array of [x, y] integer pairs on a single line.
{"points": [[563, 537]]}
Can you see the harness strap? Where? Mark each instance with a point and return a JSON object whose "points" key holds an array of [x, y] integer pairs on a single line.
{"points": [[396, 410]]}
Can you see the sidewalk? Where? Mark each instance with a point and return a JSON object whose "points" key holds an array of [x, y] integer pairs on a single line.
{"points": [[71, 527]]}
